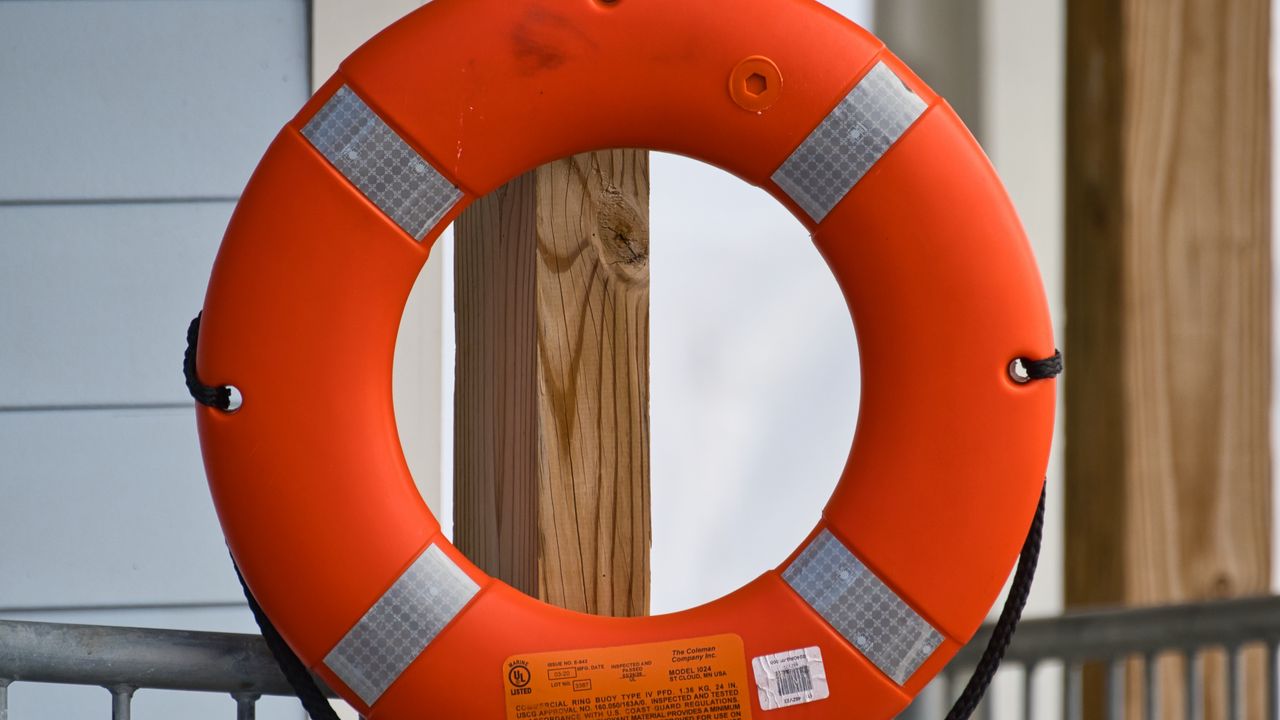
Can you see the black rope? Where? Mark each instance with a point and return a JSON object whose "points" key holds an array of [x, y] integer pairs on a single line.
{"points": [[1006, 625], [304, 685], [211, 396], [1046, 369]]}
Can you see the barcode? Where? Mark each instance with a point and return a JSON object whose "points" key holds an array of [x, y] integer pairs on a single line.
{"points": [[793, 681]]}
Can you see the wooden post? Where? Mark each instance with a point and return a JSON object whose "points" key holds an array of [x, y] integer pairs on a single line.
{"points": [[1168, 310], [551, 451]]}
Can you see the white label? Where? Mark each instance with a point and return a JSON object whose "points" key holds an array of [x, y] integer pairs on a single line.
{"points": [[790, 678]]}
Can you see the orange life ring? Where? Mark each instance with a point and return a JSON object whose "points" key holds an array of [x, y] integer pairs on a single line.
{"points": [[312, 488]]}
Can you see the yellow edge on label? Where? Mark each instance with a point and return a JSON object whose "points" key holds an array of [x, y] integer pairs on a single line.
{"points": [[690, 679]]}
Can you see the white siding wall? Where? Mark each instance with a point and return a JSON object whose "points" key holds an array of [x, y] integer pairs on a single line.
{"points": [[127, 130]]}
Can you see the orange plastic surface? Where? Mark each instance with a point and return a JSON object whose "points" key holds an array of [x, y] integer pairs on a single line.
{"points": [[306, 297]]}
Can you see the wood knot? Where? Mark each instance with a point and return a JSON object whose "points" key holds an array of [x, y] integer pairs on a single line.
{"points": [[1223, 587], [622, 232]]}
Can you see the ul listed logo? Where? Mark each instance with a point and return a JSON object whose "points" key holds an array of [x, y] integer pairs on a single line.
{"points": [[518, 675]]}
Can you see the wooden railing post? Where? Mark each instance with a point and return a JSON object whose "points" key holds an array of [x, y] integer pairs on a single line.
{"points": [[551, 481], [1168, 391]]}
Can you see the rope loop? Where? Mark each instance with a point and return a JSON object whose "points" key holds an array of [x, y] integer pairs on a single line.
{"points": [[217, 397]]}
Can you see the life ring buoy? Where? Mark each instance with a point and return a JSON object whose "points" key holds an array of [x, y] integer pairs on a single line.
{"points": [[312, 488]]}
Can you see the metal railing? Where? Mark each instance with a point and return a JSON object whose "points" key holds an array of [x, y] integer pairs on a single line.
{"points": [[124, 660], [1128, 643]]}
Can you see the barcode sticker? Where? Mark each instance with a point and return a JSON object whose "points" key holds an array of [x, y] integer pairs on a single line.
{"points": [[790, 678]]}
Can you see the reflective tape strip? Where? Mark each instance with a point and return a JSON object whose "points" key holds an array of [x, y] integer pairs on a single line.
{"points": [[862, 608], [381, 164], [400, 625], [849, 142]]}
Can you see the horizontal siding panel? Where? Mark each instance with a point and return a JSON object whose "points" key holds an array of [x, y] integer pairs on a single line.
{"points": [[138, 98], [107, 508], [97, 299]]}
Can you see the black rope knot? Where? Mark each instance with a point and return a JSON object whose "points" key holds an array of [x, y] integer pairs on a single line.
{"points": [[218, 397]]}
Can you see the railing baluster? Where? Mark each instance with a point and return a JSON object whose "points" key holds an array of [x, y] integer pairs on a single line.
{"points": [[121, 702], [1151, 686], [246, 706], [1116, 689], [1193, 686], [1028, 691], [1273, 689], [1075, 692], [124, 660], [1233, 683]]}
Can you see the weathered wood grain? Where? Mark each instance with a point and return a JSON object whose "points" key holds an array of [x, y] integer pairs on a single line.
{"points": [[552, 428], [1169, 309]]}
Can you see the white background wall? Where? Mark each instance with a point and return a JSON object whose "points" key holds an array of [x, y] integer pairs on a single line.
{"points": [[1024, 81], [127, 130], [754, 373]]}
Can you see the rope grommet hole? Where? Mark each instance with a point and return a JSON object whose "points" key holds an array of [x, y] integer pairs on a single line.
{"points": [[1018, 372], [235, 401]]}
